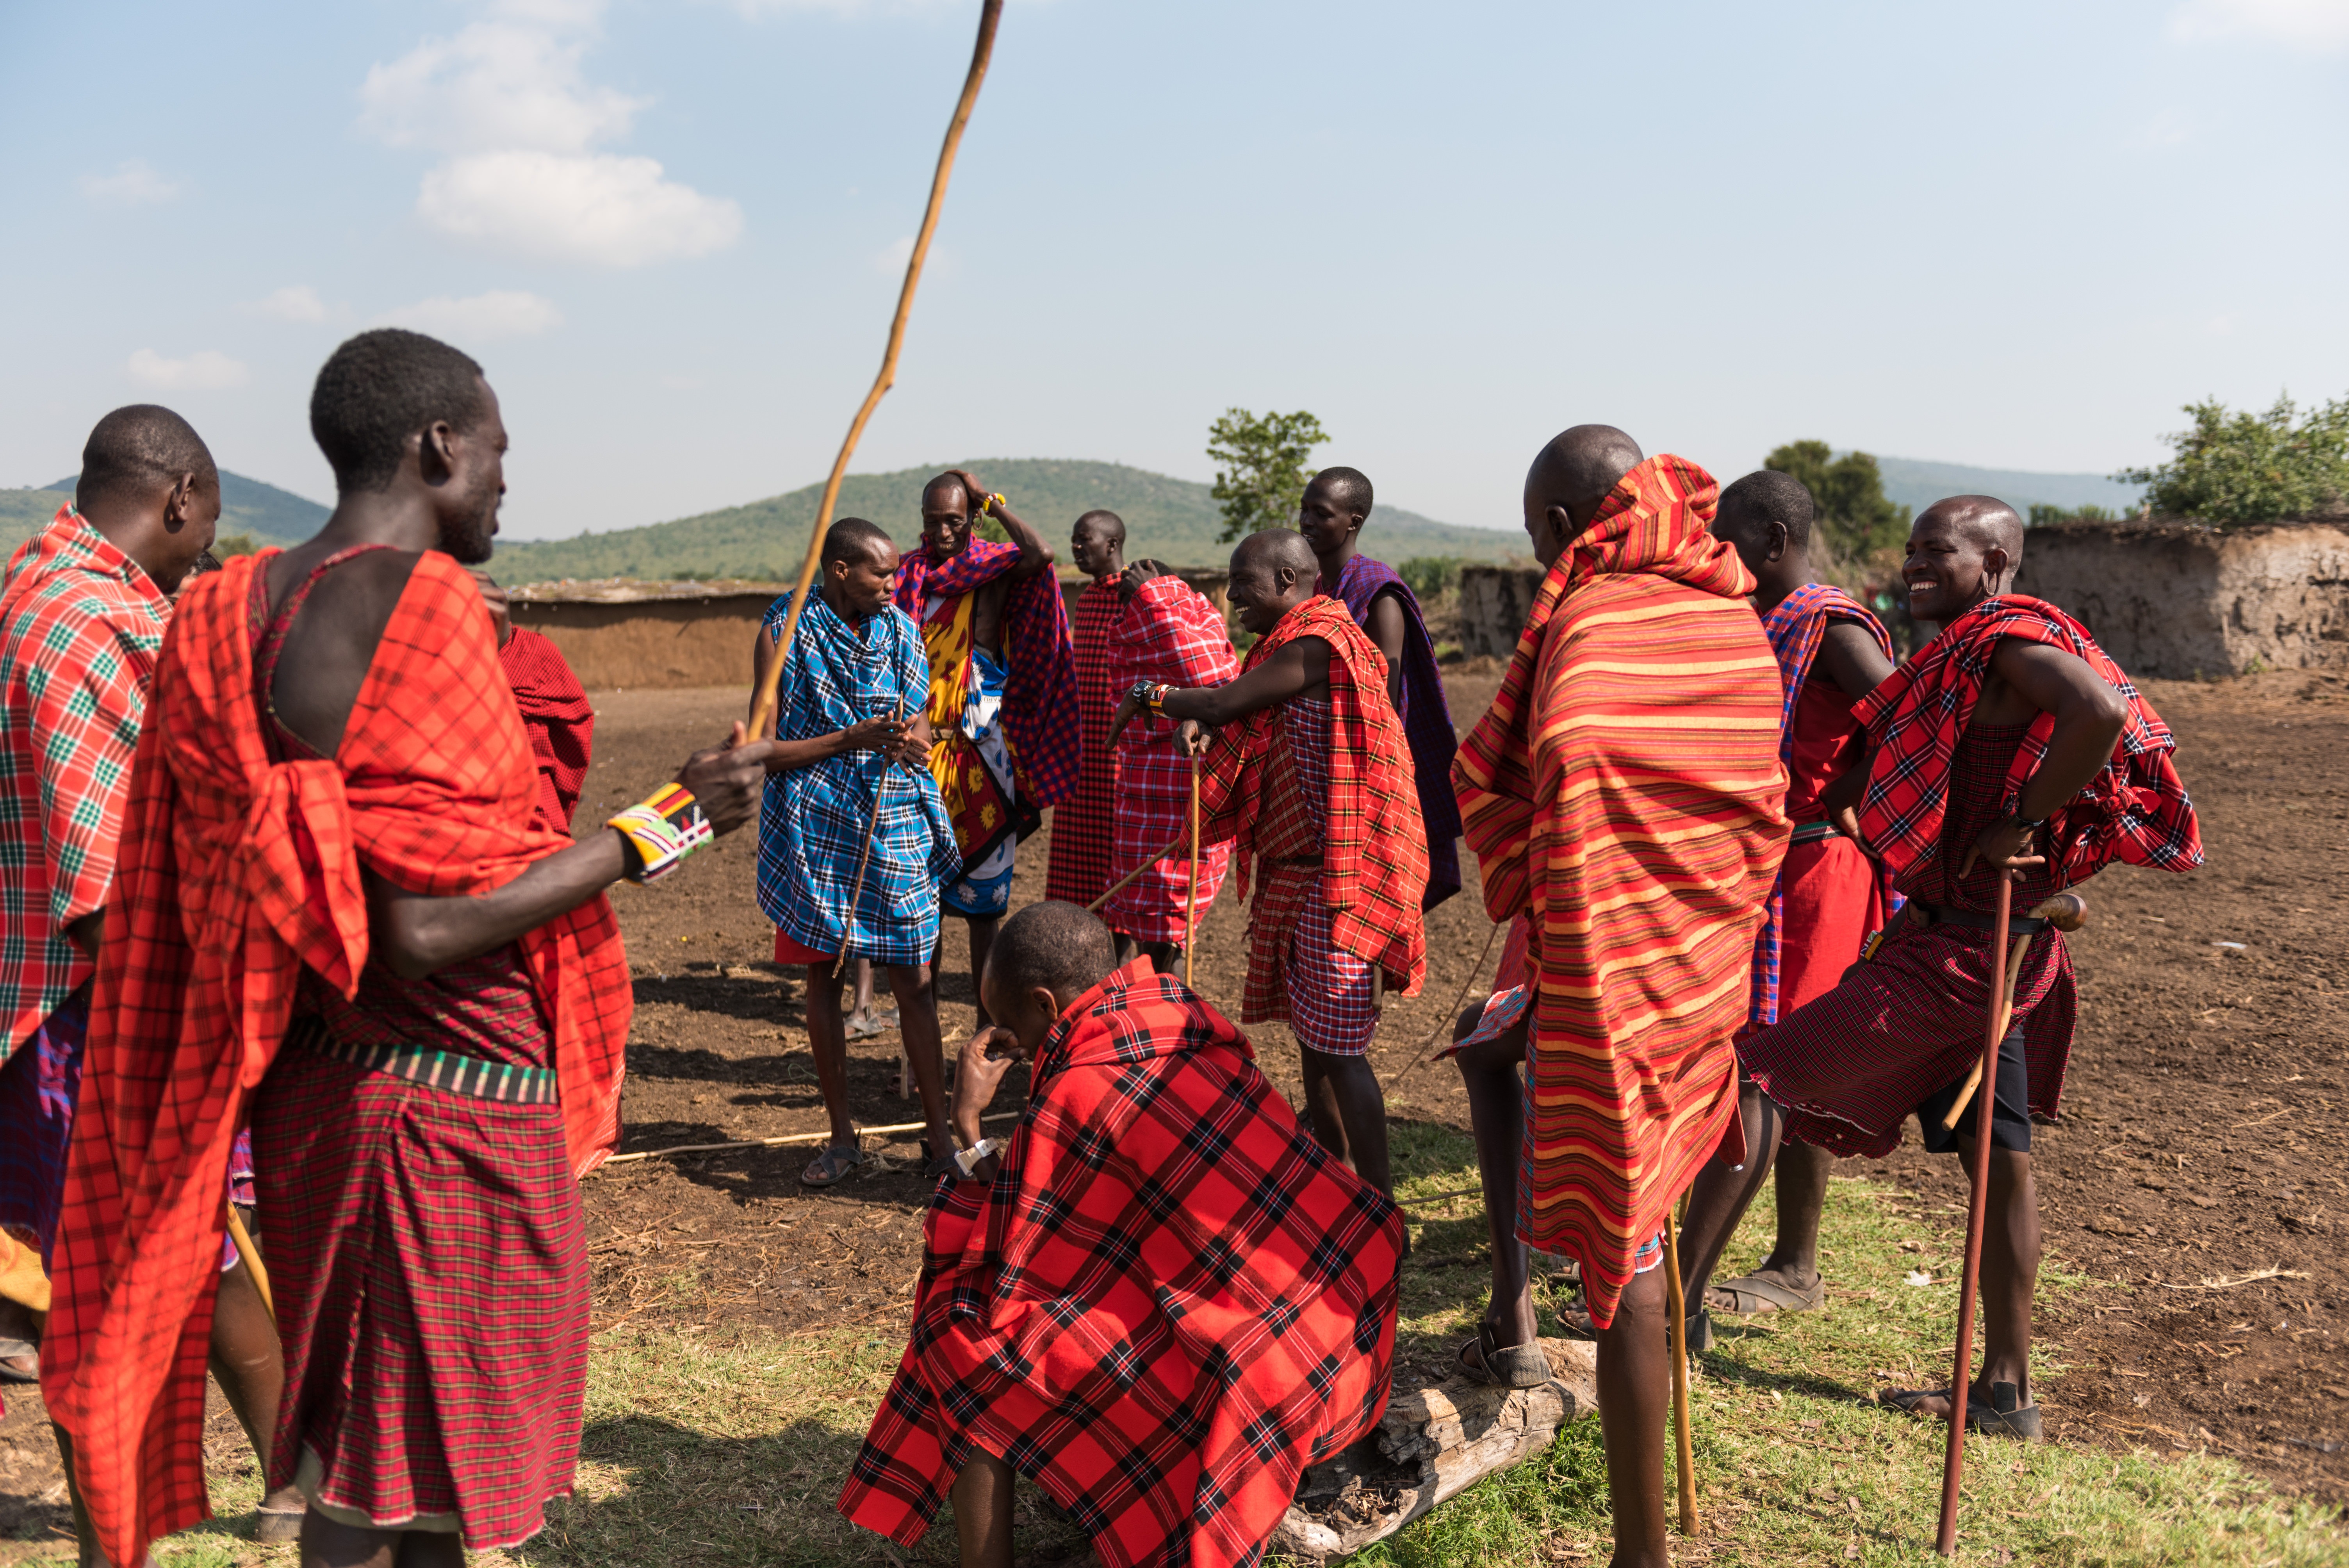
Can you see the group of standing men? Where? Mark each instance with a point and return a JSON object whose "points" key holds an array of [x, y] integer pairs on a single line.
{"points": [[290, 856]]}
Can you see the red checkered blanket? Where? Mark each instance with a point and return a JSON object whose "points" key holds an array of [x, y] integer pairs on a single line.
{"points": [[1170, 1301]]}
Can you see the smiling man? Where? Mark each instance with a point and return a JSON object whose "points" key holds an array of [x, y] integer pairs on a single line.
{"points": [[849, 796], [337, 912], [1158, 1299], [1309, 771], [1336, 504], [2009, 747], [1006, 740]]}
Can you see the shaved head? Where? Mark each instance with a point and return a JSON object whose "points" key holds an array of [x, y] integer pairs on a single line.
{"points": [[1750, 505], [136, 452], [1989, 522], [854, 538], [1580, 464], [1276, 548], [1108, 524], [1351, 488], [939, 485], [1058, 946]]}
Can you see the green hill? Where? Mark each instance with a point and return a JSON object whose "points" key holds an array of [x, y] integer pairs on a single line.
{"points": [[1173, 520], [1918, 485], [272, 516]]}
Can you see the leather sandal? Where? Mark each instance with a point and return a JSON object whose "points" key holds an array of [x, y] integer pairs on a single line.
{"points": [[1753, 1294], [830, 1165], [1577, 1326], [1503, 1365], [2002, 1415], [277, 1526], [20, 1361]]}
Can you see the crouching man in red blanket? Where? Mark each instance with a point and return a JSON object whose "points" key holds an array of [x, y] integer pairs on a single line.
{"points": [[1830, 896], [1160, 1299], [333, 908], [1310, 772], [2009, 747]]}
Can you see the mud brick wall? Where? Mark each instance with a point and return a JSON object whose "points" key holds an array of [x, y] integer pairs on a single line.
{"points": [[2178, 601], [653, 644], [1493, 603]]}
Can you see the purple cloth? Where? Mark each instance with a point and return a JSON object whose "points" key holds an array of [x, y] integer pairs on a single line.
{"points": [[1426, 718], [38, 1086]]}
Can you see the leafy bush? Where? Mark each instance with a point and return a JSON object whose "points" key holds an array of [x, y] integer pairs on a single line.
{"points": [[1264, 471], [1858, 517], [1430, 575], [225, 545], [2042, 514], [2251, 468]]}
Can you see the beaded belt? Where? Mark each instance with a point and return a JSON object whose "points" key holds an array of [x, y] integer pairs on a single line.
{"points": [[445, 1070], [1812, 832]]}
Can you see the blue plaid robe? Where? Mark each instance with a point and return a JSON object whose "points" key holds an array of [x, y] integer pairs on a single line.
{"points": [[812, 823]]}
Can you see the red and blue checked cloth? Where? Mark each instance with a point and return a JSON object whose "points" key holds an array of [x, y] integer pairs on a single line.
{"points": [[1171, 632], [1170, 1301], [2135, 809], [432, 787], [1039, 702], [1850, 1065], [80, 628], [1796, 627], [1080, 869], [1369, 854]]}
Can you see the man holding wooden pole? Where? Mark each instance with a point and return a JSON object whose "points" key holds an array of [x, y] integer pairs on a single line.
{"points": [[854, 842], [2009, 748]]}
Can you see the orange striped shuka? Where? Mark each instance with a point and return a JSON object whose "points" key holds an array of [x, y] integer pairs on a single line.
{"points": [[1625, 794], [1370, 868], [238, 876]]}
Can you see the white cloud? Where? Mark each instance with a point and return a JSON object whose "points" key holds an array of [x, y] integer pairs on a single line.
{"points": [[2320, 25], [294, 301], [205, 371], [507, 102], [597, 208], [133, 183], [500, 313]]}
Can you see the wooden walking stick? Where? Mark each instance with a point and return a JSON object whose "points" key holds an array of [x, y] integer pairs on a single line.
{"points": [[1191, 905], [252, 1257], [1684, 1452], [2065, 912], [1127, 880], [762, 708], [1970, 1282]]}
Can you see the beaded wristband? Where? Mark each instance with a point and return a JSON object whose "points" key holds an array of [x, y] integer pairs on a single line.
{"points": [[663, 828], [989, 503], [1151, 695]]}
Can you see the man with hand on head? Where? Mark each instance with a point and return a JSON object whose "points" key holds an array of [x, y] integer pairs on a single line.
{"points": [[1079, 871], [848, 798], [428, 990], [1336, 504], [1004, 736], [82, 619], [1831, 653], [1309, 773], [1624, 798], [1158, 1299], [1171, 636], [2009, 747]]}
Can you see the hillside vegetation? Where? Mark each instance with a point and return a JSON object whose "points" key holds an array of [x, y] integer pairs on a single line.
{"points": [[1175, 521], [269, 515]]}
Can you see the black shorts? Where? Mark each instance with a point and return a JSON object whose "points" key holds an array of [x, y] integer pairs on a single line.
{"points": [[2010, 1119]]}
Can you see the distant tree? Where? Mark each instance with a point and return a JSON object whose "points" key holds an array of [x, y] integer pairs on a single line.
{"points": [[1263, 468], [1430, 575], [225, 545], [1858, 519], [2042, 514], [2251, 468]]}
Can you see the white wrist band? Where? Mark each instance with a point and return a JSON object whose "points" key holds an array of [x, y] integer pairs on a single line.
{"points": [[966, 1161]]}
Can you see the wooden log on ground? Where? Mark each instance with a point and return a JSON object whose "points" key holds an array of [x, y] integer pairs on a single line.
{"points": [[1434, 1442]]}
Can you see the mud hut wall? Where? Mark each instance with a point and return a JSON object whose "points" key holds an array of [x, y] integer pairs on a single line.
{"points": [[653, 644], [2177, 602], [1493, 603]]}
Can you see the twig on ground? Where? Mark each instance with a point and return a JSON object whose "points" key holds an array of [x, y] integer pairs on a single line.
{"points": [[786, 1139], [2223, 1282]]}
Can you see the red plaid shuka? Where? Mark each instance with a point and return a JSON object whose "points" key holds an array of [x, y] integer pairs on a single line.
{"points": [[1625, 793], [557, 717], [1169, 1302], [1371, 862], [1170, 633], [2137, 809], [1040, 700], [236, 877], [1079, 868]]}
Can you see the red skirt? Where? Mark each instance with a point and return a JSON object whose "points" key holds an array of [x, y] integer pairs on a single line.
{"points": [[430, 1263], [1834, 899]]}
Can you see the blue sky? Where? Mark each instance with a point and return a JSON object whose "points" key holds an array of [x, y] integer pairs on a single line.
{"points": [[2015, 235]]}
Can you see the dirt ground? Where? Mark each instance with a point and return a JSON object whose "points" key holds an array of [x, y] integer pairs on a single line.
{"points": [[2211, 1056]]}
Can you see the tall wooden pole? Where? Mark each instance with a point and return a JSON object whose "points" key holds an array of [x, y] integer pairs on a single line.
{"points": [[1190, 906], [762, 708], [1683, 1448]]}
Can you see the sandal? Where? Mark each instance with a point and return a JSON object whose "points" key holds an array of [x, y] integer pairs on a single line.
{"points": [[20, 1361], [1577, 1326], [1753, 1294], [278, 1526], [2002, 1415], [830, 1165], [1503, 1365]]}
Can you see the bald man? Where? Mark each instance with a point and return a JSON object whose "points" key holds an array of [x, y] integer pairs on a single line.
{"points": [[1079, 869], [1624, 799], [1006, 737], [2009, 747], [81, 623], [1335, 506], [1158, 1298], [1309, 772]]}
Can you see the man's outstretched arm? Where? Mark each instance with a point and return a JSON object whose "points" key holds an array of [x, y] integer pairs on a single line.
{"points": [[1299, 669]]}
